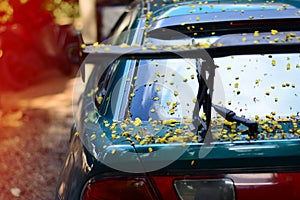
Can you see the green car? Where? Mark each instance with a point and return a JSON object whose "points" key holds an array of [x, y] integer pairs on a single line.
{"points": [[189, 100]]}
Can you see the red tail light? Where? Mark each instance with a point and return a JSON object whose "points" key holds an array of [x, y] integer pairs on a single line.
{"points": [[258, 186], [118, 189], [248, 186]]}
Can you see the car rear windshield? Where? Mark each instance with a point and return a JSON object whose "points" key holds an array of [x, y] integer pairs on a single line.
{"points": [[262, 88]]}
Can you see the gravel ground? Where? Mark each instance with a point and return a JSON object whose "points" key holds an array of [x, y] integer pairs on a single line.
{"points": [[34, 133]]}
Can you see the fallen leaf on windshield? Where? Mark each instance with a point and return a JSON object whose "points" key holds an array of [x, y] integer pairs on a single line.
{"points": [[137, 122]]}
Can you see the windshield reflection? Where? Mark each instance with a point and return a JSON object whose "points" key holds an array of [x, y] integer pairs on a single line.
{"points": [[261, 85]]}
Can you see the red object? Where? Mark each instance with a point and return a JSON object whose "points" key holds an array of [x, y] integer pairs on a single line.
{"points": [[258, 186], [118, 189], [32, 43]]}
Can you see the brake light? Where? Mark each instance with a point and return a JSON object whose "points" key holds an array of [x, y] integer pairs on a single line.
{"points": [[244, 186], [118, 188]]}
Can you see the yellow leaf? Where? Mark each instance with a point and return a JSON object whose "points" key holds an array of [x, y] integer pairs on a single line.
{"points": [[192, 162], [274, 32]]}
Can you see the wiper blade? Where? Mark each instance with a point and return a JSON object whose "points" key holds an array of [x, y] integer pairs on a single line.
{"points": [[204, 94], [199, 124], [231, 116]]}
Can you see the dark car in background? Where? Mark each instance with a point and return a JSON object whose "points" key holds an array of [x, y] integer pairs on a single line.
{"points": [[189, 100], [36, 37]]}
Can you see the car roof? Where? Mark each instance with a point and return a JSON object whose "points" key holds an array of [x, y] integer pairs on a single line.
{"points": [[221, 11], [199, 7], [157, 6]]}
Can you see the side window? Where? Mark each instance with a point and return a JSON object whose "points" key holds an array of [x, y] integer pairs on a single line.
{"points": [[121, 25], [103, 85], [124, 23], [109, 87]]}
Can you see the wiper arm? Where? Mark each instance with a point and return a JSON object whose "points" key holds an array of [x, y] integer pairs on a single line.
{"points": [[232, 117], [204, 63], [199, 124]]}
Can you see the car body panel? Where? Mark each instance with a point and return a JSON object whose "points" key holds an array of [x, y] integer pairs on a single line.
{"points": [[267, 168]]}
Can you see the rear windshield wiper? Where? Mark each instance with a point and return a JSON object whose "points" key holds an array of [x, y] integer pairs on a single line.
{"points": [[204, 94], [231, 116]]}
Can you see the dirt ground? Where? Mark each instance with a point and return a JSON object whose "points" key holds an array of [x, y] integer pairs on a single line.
{"points": [[34, 133]]}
